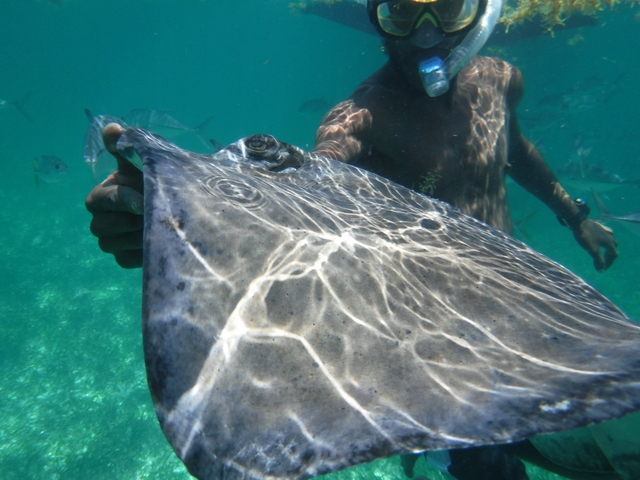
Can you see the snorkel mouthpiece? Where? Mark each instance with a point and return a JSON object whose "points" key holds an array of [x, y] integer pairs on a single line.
{"points": [[436, 74], [433, 76]]}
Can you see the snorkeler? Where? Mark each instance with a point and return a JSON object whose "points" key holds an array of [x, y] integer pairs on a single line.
{"points": [[436, 113]]}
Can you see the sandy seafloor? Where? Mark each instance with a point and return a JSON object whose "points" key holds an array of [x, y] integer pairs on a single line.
{"points": [[73, 397]]}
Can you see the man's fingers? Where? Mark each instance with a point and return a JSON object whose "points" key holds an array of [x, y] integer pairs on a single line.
{"points": [[129, 259], [110, 135], [119, 244], [115, 223], [598, 262], [609, 243], [115, 198], [609, 256]]}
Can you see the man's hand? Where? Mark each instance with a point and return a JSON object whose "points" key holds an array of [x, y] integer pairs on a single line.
{"points": [[592, 236], [117, 206]]}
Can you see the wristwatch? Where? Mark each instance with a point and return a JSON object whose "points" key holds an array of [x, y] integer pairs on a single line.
{"points": [[575, 220]]}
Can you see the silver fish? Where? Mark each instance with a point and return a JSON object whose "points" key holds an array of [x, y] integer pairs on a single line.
{"points": [[18, 105], [581, 175], [158, 121], [315, 105], [93, 144], [580, 149], [49, 169], [583, 94], [519, 225], [606, 214], [163, 124]]}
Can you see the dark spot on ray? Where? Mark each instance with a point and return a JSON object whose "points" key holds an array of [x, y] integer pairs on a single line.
{"points": [[430, 224]]}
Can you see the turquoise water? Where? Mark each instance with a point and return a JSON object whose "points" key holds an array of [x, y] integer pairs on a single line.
{"points": [[73, 397]]}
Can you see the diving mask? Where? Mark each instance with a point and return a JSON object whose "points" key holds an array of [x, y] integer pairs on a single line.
{"points": [[400, 18]]}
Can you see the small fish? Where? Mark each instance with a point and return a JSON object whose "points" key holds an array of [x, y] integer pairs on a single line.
{"points": [[539, 144], [606, 214], [583, 176], [163, 124], [519, 225], [583, 95], [572, 170], [314, 105], [18, 105], [552, 100], [93, 144], [599, 174], [49, 169], [596, 83], [579, 148], [577, 168], [576, 103], [217, 146], [158, 121], [541, 121]]}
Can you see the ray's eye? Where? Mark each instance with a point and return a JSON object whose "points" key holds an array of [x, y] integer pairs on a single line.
{"points": [[260, 143]]}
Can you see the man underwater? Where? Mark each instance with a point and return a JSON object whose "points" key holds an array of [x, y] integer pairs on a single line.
{"points": [[433, 111], [437, 112]]}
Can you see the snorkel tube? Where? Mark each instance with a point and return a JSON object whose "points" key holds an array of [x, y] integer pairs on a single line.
{"points": [[436, 74]]}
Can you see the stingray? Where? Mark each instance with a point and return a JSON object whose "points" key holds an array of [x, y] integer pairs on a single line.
{"points": [[301, 315]]}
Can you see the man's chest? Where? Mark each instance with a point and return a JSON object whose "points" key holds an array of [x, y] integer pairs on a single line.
{"points": [[418, 137]]}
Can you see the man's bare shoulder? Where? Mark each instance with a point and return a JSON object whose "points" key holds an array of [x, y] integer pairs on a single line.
{"points": [[496, 70], [492, 62], [490, 66]]}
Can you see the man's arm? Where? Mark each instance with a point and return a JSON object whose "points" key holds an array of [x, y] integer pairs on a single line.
{"points": [[528, 168], [340, 134]]}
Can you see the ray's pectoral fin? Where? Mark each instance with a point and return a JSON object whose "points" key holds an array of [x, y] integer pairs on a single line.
{"points": [[301, 315]]}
